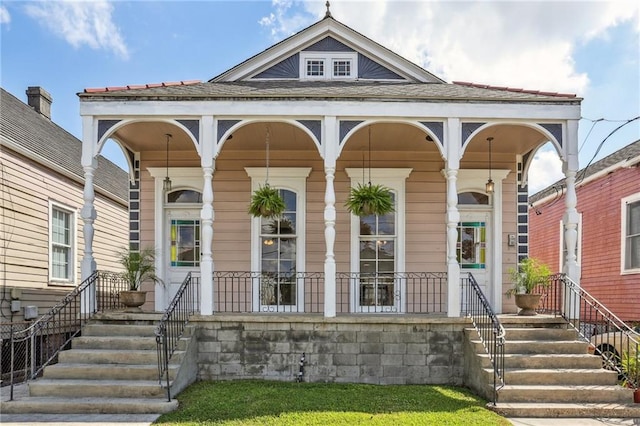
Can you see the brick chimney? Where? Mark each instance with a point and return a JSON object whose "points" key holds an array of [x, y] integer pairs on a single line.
{"points": [[40, 100]]}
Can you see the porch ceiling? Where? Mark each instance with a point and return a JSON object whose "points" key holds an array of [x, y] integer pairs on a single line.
{"points": [[151, 136], [507, 139]]}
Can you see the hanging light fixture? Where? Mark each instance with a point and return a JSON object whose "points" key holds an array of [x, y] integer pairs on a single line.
{"points": [[489, 186], [166, 184]]}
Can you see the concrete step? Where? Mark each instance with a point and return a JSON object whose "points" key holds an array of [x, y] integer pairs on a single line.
{"points": [[543, 394], [75, 388], [88, 405], [546, 361], [516, 333], [106, 356], [539, 347], [558, 376], [106, 371], [96, 329], [115, 342], [538, 321], [568, 410]]}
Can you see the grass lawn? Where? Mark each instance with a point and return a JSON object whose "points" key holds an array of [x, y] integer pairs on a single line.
{"points": [[255, 402]]}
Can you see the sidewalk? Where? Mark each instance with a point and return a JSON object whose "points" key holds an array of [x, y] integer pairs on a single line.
{"points": [[573, 422]]}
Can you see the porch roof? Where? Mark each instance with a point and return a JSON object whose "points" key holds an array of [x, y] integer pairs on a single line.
{"points": [[323, 90]]}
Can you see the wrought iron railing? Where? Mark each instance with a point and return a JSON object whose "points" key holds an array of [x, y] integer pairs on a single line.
{"points": [[393, 292], [245, 292], [31, 348], [490, 330], [173, 323], [610, 337]]}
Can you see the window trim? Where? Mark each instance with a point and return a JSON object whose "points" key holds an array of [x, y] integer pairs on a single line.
{"points": [[328, 59], [394, 179], [293, 179], [624, 202], [73, 261]]}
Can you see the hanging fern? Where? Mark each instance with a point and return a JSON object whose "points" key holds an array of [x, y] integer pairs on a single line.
{"points": [[266, 202], [368, 199]]}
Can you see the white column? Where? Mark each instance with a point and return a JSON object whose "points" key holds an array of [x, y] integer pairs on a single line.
{"points": [[88, 212], [571, 216], [330, 144], [452, 164], [207, 217]]}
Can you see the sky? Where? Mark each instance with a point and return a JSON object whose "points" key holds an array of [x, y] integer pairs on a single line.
{"points": [[589, 48]]}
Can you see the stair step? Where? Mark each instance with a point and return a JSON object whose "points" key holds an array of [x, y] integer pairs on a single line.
{"points": [[545, 361], [76, 388], [543, 394], [106, 371], [115, 342], [88, 405], [558, 376], [568, 410], [107, 356], [514, 334], [119, 330]]}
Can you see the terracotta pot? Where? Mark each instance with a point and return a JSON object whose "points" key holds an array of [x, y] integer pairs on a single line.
{"points": [[133, 299], [636, 396], [527, 303]]}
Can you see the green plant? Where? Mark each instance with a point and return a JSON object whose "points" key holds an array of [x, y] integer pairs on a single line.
{"points": [[139, 266], [630, 370], [368, 199], [266, 202], [528, 276]]}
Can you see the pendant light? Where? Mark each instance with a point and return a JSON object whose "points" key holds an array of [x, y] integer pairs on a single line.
{"points": [[489, 186], [166, 184]]}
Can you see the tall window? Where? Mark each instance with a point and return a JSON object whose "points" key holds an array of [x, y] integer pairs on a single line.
{"points": [[631, 234], [377, 242], [62, 243], [377, 246], [278, 254]]}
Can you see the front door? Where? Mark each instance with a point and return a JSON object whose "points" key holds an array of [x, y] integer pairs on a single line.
{"points": [[472, 248], [182, 246]]}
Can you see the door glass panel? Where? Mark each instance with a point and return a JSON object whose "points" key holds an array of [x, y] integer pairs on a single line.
{"points": [[471, 246], [185, 243]]}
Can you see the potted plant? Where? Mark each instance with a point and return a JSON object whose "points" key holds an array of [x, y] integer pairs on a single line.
{"points": [[368, 199], [266, 202], [139, 266], [529, 276]]}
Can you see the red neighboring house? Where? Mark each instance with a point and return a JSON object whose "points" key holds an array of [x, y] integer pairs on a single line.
{"points": [[608, 246]]}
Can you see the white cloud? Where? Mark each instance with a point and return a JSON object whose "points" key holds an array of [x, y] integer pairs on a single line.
{"points": [[519, 44], [546, 169], [81, 23], [5, 17]]}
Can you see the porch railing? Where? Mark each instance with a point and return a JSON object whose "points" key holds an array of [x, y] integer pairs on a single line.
{"points": [[173, 323], [490, 330], [610, 337], [244, 292], [32, 347]]}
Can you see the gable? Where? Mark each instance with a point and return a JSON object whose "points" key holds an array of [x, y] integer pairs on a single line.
{"points": [[328, 50]]}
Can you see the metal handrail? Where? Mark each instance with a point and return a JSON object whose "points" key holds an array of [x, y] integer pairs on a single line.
{"points": [[608, 336], [173, 323], [41, 342], [490, 330]]}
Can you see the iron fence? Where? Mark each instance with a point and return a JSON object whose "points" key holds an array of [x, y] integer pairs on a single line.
{"points": [[615, 341], [173, 323], [394, 292], [490, 330], [268, 292]]}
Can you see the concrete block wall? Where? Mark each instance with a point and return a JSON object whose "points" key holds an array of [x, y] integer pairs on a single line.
{"points": [[355, 349]]}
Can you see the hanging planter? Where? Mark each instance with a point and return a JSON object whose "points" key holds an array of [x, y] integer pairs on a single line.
{"points": [[266, 202], [368, 199]]}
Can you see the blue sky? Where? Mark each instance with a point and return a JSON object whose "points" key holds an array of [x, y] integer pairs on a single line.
{"points": [[590, 48]]}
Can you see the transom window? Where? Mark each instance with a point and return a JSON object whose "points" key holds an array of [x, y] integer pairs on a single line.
{"points": [[186, 196], [62, 243], [631, 234], [473, 199]]}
